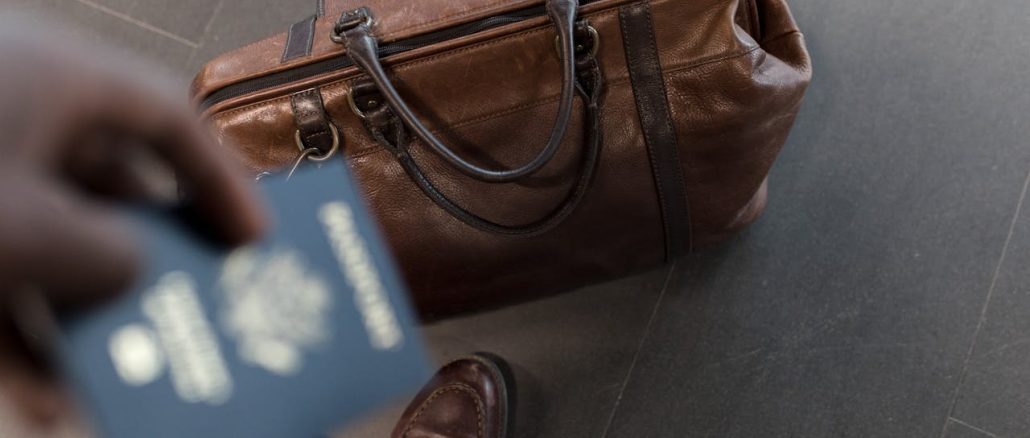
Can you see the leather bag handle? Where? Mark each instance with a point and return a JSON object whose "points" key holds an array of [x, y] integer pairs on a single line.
{"points": [[354, 31], [390, 132]]}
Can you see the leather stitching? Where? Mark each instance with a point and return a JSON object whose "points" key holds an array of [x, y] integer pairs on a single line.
{"points": [[413, 63], [656, 64], [508, 111], [404, 66], [664, 158], [454, 387], [620, 81], [274, 37], [448, 17]]}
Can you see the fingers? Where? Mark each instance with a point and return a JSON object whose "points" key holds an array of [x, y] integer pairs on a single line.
{"points": [[77, 252], [107, 93], [110, 167], [215, 184], [217, 188], [33, 390], [39, 398]]}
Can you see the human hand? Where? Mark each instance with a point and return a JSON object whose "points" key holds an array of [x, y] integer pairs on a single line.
{"points": [[77, 123]]}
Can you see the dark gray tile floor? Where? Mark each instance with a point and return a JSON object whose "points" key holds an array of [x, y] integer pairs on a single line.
{"points": [[886, 293], [995, 391]]}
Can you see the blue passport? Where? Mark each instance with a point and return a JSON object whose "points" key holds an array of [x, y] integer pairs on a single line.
{"points": [[290, 337]]}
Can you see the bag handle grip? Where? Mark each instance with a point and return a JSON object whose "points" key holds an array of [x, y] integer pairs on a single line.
{"points": [[354, 31]]}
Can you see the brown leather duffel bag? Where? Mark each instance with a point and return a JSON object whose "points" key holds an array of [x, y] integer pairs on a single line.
{"points": [[669, 116]]}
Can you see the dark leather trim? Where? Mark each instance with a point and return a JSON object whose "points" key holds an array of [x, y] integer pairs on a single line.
{"points": [[312, 120], [300, 39], [645, 74]]}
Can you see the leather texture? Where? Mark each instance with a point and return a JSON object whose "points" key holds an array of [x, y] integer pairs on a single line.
{"points": [[467, 398], [734, 74], [656, 123]]}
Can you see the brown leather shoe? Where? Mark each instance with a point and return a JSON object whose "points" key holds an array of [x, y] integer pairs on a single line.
{"points": [[468, 398]]}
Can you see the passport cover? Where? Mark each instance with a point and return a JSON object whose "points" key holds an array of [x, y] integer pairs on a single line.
{"points": [[290, 337]]}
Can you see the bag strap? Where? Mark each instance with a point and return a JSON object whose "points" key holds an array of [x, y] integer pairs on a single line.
{"points": [[354, 30]]}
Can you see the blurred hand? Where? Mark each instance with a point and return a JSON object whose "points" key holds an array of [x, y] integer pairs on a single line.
{"points": [[74, 123]]}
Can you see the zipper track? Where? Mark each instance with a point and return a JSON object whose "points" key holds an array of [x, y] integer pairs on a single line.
{"points": [[340, 62]]}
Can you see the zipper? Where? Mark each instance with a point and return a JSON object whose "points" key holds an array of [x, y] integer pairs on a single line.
{"points": [[340, 62]]}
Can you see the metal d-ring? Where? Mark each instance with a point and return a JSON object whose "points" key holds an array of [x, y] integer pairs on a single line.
{"points": [[327, 155], [351, 100], [306, 153], [596, 37], [354, 106]]}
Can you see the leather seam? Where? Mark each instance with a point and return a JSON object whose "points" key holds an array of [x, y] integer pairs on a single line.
{"points": [[391, 34], [517, 109], [781, 36], [455, 387], [401, 67], [404, 66], [486, 118], [461, 14], [465, 49]]}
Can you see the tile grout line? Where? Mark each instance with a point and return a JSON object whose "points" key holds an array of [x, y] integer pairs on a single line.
{"points": [[957, 421], [986, 305], [207, 32], [640, 347], [145, 25]]}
